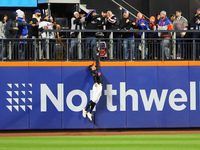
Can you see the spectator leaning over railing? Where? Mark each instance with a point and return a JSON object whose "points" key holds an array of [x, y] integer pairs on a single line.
{"points": [[128, 38], [92, 24], [180, 23], [165, 24], [76, 24]]}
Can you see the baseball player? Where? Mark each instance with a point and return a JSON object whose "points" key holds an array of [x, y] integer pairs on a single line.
{"points": [[97, 88]]}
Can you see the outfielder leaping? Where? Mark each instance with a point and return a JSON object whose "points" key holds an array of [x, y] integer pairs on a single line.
{"points": [[97, 88]]}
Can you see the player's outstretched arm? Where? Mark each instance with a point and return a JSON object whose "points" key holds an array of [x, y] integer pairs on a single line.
{"points": [[97, 60]]}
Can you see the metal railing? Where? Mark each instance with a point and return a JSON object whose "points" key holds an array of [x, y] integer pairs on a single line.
{"points": [[111, 46]]}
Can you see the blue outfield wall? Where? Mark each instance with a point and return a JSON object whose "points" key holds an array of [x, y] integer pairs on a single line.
{"points": [[135, 95]]}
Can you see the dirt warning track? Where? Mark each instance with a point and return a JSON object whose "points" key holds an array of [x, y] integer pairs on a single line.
{"points": [[95, 132]]}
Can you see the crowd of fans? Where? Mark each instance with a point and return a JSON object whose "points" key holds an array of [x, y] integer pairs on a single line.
{"points": [[161, 22], [17, 26]]}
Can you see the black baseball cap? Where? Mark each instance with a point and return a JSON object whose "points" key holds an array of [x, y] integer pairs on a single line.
{"points": [[179, 11], [125, 11], [173, 15]]}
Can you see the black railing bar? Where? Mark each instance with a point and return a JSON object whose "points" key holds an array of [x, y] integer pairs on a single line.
{"points": [[17, 39], [122, 31]]}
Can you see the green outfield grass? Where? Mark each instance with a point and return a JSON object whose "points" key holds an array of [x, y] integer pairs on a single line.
{"points": [[130, 142]]}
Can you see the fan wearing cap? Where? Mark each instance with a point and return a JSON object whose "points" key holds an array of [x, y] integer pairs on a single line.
{"points": [[97, 88], [77, 21], [180, 23], [76, 24], [172, 18], [92, 21], [13, 25], [128, 37], [165, 24], [36, 19], [23, 30]]}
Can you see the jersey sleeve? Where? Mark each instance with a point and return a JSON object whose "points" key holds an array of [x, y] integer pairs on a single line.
{"points": [[170, 27], [112, 20]]}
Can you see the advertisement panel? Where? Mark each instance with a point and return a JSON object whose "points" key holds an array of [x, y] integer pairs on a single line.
{"points": [[142, 99], [77, 84], [175, 80], [47, 98], [194, 120], [15, 101], [135, 95]]}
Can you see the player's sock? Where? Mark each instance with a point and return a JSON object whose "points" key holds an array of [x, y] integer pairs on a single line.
{"points": [[88, 106], [92, 106]]}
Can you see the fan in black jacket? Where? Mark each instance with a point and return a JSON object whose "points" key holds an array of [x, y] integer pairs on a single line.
{"points": [[196, 19], [110, 22], [195, 23], [12, 26], [97, 88], [36, 19], [92, 24], [127, 24]]}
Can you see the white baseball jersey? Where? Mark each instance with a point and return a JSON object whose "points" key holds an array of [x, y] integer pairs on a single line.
{"points": [[46, 25]]}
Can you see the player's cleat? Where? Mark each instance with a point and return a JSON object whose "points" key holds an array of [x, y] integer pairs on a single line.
{"points": [[89, 115], [84, 113]]}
